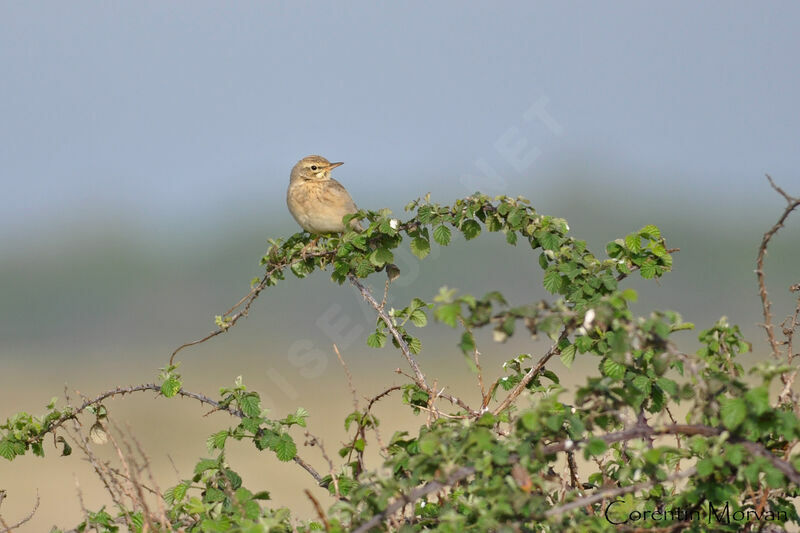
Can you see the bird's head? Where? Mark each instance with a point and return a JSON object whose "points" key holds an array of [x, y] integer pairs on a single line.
{"points": [[313, 167]]}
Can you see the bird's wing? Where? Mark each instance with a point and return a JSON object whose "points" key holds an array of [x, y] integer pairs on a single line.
{"points": [[339, 196]]}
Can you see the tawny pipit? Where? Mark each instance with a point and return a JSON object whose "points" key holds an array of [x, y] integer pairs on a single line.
{"points": [[316, 201]]}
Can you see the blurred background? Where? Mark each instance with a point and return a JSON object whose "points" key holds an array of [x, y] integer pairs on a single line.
{"points": [[145, 150]]}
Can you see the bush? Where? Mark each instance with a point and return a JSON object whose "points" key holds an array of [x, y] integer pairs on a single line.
{"points": [[528, 456]]}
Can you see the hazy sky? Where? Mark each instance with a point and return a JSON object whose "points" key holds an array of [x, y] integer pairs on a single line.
{"points": [[175, 109]]}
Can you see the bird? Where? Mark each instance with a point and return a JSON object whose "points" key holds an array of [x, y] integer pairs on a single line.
{"points": [[316, 201]]}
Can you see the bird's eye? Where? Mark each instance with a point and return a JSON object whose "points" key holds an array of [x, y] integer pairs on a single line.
{"points": [[313, 167]]}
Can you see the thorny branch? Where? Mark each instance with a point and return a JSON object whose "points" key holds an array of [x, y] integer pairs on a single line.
{"points": [[788, 379], [419, 377], [9, 528], [71, 414], [534, 371]]}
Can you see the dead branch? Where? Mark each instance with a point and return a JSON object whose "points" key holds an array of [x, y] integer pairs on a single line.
{"points": [[791, 205], [7, 529]]}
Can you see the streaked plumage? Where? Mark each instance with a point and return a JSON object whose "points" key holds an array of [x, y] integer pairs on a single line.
{"points": [[316, 201]]}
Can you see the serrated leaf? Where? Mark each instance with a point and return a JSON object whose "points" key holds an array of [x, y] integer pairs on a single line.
{"points": [[648, 269], [633, 243], [568, 355], [733, 412], [419, 318], [442, 235], [381, 256], [552, 281], [643, 384], [470, 229], [595, 446], [650, 231], [217, 440], [285, 447], [364, 268], [613, 369], [414, 345], [420, 247], [549, 241], [205, 464], [171, 386], [7, 449], [376, 340], [448, 314], [758, 400], [250, 404]]}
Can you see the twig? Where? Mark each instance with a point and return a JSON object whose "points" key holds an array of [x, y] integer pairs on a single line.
{"points": [[791, 205], [533, 372], [485, 398], [349, 377], [614, 492], [7, 529], [248, 300], [203, 399], [419, 377], [316, 442], [3, 497], [318, 508]]}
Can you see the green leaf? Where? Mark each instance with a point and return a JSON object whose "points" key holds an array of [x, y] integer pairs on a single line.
{"points": [[471, 229], [427, 444], [205, 464], [511, 238], [376, 340], [758, 400], [448, 314], [420, 247], [419, 318], [552, 281], [364, 268], [549, 241], [650, 231], [669, 386], [643, 384], [171, 386], [733, 412], [250, 404], [648, 269], [381, 256], [442, 235], [595, 446], [630, 295], [414, 345], [7, 449], [705, 467], [568, 355], [634, 243], [217, 440], [285, 447], [613, 369]]}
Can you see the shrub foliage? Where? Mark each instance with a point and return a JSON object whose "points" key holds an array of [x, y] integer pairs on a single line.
{"points": [[527, 455]]}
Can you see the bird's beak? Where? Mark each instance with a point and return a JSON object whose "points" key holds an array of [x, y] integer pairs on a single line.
{"points": [[334, 165]]}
